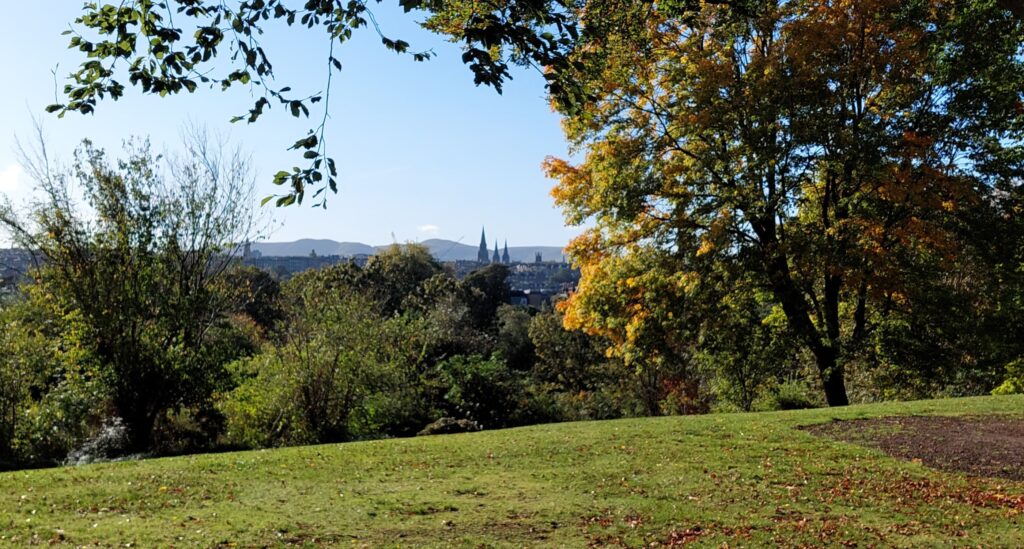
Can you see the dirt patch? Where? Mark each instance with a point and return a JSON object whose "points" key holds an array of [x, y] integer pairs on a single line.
{"points": [[989, 446]]}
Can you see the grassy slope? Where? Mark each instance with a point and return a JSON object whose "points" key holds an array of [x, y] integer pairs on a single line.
{"points": [[744, 479]]}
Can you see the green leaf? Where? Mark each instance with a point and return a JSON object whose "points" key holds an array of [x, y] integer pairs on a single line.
{"points": [[280, 177]]}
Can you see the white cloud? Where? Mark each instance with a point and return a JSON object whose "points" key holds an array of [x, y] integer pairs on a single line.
{"points": [[429, 229], [11, 179]]}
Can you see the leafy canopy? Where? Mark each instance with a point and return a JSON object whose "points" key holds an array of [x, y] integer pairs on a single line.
{"points": [[814, 149], [166, 47]]}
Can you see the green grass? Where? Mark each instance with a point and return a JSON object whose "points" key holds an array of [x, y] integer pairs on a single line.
{"points": [[741, 479]]}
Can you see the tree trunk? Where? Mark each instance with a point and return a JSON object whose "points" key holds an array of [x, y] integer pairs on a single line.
{"points": [[795, 307], [139, 412], [832, 380], [140, 425], [828, 354]]}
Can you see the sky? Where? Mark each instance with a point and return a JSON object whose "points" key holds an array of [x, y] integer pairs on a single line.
{"points": [[422, 152]]}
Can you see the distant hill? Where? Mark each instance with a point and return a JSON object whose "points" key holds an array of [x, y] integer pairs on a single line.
{"points": [[302, 248], [447, 250], [443, 250]]}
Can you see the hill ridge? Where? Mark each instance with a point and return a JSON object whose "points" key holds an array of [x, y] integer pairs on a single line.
{"points": [[442, 249]]}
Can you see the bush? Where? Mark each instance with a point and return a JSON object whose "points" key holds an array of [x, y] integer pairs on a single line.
{"points": [[608, 402], [340, 370], [60, 422], [16, 370], [189, 430], [449, 425], [52, 396], [1013, 383], [490, 393], [261, 411], [794, 395], [513, 340]]}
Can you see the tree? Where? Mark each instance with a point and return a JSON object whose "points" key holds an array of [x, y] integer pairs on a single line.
{"points": [[745, 348], [338, 350], [166, 47], [255, 293], [398, 273], [137, 266], [485, 290], [819, 146], [513, 340], [568, 359], [486, 391]]}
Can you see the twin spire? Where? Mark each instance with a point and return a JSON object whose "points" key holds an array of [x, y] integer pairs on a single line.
{"points": [[482, 255]]}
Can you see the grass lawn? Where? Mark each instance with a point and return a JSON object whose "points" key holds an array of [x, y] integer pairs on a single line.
{"points": [[737, 479]]}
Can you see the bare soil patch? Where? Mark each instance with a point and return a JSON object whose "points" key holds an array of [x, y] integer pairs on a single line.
{"points": [[989, 446]]}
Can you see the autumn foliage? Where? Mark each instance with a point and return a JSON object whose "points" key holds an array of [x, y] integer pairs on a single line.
{"points": [[821, 155]]}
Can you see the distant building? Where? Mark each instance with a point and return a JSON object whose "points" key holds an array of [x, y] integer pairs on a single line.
{"points": [[286, 266], [249, 253], [537, 299], [518, 297], [481, 256], [551, 278]]}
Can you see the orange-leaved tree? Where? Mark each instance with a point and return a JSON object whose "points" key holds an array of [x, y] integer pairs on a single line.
{"points": [[812, 146]]}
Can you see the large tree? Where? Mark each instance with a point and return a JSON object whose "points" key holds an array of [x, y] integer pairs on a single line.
{"points": [[133, 256], [818, 146]]}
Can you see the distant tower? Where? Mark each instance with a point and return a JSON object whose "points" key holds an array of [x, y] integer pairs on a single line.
{"points": [[481, 256], [504, 256], [538, 258], [496, 258]]}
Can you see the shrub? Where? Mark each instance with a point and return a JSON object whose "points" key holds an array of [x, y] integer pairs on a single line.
{"points": [[794, 395], [607, 402], [513, 338], [60, 422], [341, 369], [486, 391], [109, 442], [1013, 384], [259, 411], [449, 425], [52, 396]]}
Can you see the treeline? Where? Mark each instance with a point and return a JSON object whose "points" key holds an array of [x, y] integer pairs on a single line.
{"points": [[329, 355], [141, 335]]}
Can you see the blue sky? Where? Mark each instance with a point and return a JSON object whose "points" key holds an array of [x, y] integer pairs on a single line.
{"points": [[422, 152]]}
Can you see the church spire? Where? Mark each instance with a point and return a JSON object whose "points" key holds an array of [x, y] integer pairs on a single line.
{"points": [[504, 256], [496, 258], [481, 256]]}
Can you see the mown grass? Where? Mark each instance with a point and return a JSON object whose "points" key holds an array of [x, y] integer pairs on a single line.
{"points": [[737, 479]]}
